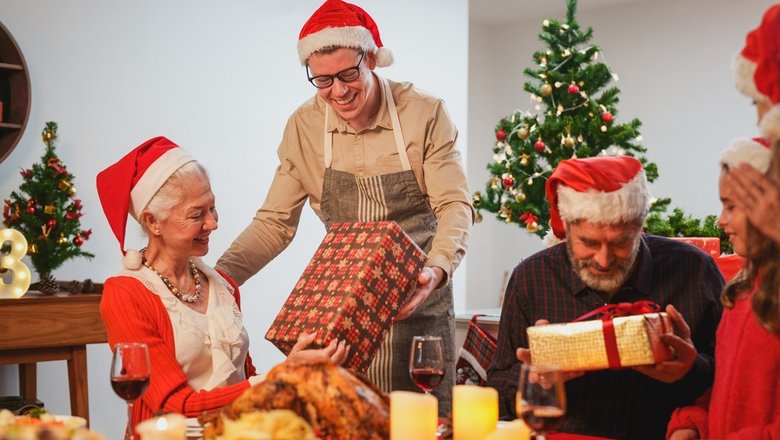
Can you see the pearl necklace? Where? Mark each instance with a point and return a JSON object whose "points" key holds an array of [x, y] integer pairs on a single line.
{"points": [[174, 290]]}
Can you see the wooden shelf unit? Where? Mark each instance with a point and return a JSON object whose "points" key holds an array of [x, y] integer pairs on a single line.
{"points": [[14, 93]]}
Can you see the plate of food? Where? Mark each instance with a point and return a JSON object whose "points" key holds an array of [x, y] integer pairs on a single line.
{"points": [[41, 424]]}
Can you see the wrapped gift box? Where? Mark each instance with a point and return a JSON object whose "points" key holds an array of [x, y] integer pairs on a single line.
{"points": [[623, 341], [351, 290], [710, 245]]}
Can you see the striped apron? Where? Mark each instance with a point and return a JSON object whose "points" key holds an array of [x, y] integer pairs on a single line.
{"points": [[347, 197]]}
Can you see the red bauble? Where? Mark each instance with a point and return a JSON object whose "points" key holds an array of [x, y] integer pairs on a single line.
{"points": [[26, 173], [501, 134], [51, 223], [539, 145], [31, 209], [78, 241], [509, 181], [606, 117], [573, 89]]}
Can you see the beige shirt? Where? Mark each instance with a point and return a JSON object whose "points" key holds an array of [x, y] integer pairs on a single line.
{"points": [[430, 144]]}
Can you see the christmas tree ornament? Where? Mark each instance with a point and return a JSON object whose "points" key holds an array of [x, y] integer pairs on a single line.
{"points": [[478, 218], [476, 199], [558, 84], [522, 133], [532, 227], [520, 197], [524, 159], [573, 89], [508, 181], [501, 135], [78, 241], [603, 128], [494, 183], [26, 174], [50, 186], [606, 117], [539, 145], [568, 141], [546, 89]]}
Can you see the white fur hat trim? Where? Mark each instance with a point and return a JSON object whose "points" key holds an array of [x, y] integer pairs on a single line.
{"points": [[357, 37], [626, 204]]}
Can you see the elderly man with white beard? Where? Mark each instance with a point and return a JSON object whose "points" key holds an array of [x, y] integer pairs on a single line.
{"points": [[598, 206]]}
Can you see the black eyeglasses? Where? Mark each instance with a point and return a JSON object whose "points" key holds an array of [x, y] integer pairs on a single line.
{"points": [[345, 76]]}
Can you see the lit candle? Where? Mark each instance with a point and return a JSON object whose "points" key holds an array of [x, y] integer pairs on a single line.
{"points": [[413, 416], [13, 262], [474, 412], [516, 430], [167, 427]]}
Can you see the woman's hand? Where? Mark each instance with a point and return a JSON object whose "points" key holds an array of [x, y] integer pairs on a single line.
{"points": [[758, 197], [684, 434], [335, 352]]}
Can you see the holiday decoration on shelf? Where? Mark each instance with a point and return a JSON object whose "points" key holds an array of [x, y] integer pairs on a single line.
{"points": [[46, 211], [573, 116]]}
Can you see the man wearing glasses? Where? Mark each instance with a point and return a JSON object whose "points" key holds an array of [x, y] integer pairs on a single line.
{"points": [[368, 149]]}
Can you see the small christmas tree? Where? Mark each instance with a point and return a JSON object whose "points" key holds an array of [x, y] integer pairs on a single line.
{"points": [[574, 117], [45, 211]]}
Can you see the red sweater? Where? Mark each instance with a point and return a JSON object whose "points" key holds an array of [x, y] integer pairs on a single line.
{"points": [[745, 397], [131, 313]]}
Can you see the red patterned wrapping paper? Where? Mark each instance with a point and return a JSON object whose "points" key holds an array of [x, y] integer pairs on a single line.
{"points": [[617, 342], [352, 289]]}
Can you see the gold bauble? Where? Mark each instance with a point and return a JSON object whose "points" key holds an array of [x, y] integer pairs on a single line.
{"points": [[478, 218], [72, 191], [48, 209], [546, 89], [62, 240], [520, 197], [522, 133], [568, 142], [524, 161], [532, 227]]}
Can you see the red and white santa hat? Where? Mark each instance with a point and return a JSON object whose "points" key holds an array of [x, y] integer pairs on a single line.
{"points": [[340, 24], [754, 151], [757, 69], [602, 189], [127, 186]]}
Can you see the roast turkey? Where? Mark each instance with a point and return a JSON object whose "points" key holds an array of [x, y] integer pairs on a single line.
{"points": [[336, 403]]}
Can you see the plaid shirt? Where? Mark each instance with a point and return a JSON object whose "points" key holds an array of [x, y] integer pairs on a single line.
{"points": [[613, 403]]}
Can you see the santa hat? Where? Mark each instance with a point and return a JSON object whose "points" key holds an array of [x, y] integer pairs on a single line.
{"points": [[754, 151], [127, 186], [757, 69], [602, 189], [340, 24]]}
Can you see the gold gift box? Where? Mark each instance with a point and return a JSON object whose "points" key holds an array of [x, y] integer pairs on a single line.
{"points": [[580, 346]]}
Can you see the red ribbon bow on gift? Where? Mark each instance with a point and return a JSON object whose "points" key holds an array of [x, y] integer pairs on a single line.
{"points": [[610, 311]]}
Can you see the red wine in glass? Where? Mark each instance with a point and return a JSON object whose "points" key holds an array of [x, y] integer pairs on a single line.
{"points": [[426, 362], [542, 418], [129, 387], [427, 378], [541, 398], [130, 371]]}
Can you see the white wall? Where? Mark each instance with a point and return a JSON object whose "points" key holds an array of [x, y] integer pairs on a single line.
{"points": [[673, 59], [220, 79]]}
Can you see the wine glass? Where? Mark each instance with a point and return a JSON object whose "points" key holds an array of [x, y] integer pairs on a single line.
{"points": [[541, 398], [130, 376], [426, 362]]}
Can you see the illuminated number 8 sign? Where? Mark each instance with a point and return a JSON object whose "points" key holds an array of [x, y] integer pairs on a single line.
{"points": [[20, 281]]}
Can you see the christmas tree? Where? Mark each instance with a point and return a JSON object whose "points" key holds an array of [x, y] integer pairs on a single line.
{"points": [[573, 116], [46, 212]]}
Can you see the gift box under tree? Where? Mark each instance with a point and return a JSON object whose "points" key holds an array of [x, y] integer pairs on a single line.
{"points": [[626, 335], [351, 290]]}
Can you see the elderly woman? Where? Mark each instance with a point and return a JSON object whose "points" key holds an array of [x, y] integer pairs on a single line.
{"points": [[187, 312]]}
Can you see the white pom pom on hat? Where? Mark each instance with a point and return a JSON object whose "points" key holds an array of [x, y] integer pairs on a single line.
{"points": [[340, 24]]}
